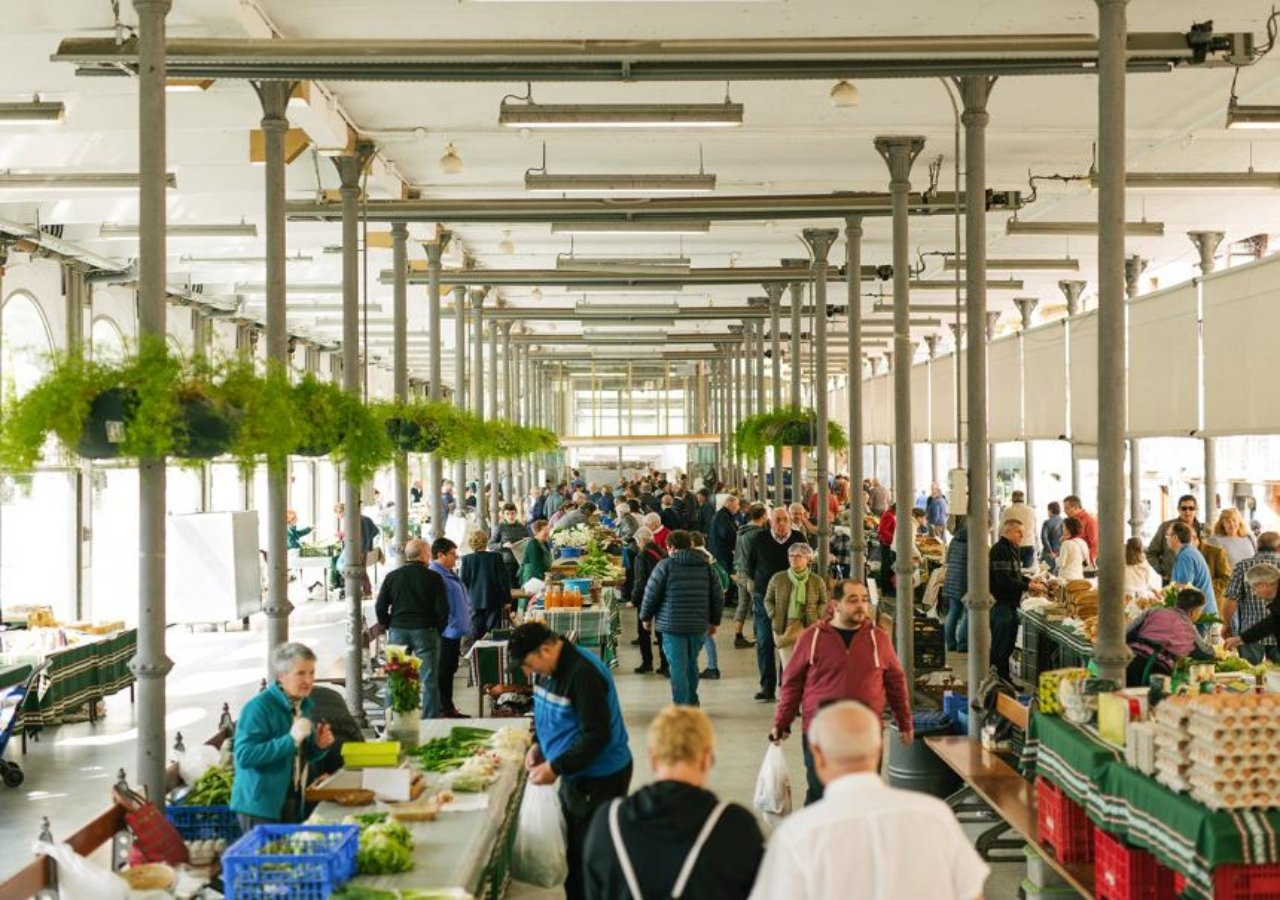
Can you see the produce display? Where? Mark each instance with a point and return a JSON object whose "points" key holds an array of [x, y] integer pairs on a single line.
{"points": [[213, 788], [358, 892], [386, 847], [595, 563], [445, 754]]}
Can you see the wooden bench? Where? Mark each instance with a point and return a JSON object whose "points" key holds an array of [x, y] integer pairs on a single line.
{"points": [[38, 875], [1003, 791]]}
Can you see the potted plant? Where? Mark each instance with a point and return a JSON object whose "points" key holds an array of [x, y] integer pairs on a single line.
{"points": [[571, 541], [786, 427], [404, 696], [265, 407], [317, 407], [415, 427]]}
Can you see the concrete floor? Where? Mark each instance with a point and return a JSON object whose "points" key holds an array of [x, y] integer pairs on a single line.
{"points": [[70, 769]]}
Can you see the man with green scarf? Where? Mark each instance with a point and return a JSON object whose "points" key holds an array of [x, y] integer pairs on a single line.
{"points": [[795, 599]]}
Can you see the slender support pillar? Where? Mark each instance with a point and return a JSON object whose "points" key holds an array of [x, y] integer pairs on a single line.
{"points": [[1072, 290], [459, 393], [435, 388], [1207, 245], [774, 292], [350, 169], [508, 407], [477, 397], [761, 492], [150, 666], [820, 241], [857, 506], [1112, 654], [797, 371], [1135, 487], [899, 153], [1026, 306], [975, 90], [274, 95], [935, 447], [400, 377], [495, 476]]}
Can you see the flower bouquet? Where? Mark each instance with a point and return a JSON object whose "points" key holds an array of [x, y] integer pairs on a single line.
{"points": [[404, 682], [576, 538]]}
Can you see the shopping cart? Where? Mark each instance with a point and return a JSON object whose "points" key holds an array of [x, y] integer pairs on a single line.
{"points": [[11, 701]]}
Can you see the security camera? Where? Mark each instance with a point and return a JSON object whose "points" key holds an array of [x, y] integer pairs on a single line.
{"points": [[884, 273]]}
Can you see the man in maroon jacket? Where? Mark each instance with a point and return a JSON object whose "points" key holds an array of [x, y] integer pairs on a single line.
{"points": [[847, 658]]}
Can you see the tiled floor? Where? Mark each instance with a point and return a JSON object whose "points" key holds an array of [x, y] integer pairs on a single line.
{"points": [[70, 769]]}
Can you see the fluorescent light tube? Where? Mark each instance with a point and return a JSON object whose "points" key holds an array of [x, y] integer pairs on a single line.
{"points": [[1252, 117], [260, 289], [622, 263], [1178, 181], [620, 115], [619, 184], [242, 229], [1133, 229], [75, 181], [1066, 263], [239, 260], [944, 284], [36, 112], [638, 226]]}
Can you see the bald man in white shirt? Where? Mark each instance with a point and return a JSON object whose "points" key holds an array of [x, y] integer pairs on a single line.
{"points": [[864, 839]]}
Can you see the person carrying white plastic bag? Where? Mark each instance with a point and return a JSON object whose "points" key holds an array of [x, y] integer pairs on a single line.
{"points": [[539, 855], [773, 787]]}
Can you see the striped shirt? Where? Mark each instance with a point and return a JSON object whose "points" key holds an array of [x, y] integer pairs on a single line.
{"points": [[1249, 609]]}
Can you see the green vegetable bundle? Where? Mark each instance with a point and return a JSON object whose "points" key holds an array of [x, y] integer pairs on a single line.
{"points": [[445, 754], [213, 788]]}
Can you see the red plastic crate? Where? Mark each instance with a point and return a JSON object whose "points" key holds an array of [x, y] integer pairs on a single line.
{"points": [[1246, 882], [1121, 872], [1062, 824]]}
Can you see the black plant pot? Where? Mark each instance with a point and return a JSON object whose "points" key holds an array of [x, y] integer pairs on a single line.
{"points": [[109, 415], [208, 431], [414, 437], [795, 434]]}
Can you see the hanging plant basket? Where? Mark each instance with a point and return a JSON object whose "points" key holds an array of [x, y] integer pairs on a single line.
{"points": [[414, 436], [795, 433], [318, 407], [110, 414], [207, 428]]}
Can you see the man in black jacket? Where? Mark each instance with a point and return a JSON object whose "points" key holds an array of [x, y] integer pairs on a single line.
{"points": [[413, 605], [660, 827], [766, 557], [1007, 587], [722, 536]]}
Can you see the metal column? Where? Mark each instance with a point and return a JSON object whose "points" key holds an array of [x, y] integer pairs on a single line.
{"points": [[1026, 306], [508, 406], [857, 510], [349, 170], [775, 332], [400, 377], [900, 153], [495, 476], [1207, 245], [1072, 290], [274, 95], [459, 393], [797, 304], [435, 389], [151, 665], [762, 492], [477, 396], [1112, 654], [820, 241]]}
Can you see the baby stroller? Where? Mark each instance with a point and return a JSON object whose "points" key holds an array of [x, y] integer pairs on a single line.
{"points": [[11, 700]]}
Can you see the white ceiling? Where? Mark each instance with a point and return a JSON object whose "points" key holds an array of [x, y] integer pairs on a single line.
{"points": [[793, 140]]}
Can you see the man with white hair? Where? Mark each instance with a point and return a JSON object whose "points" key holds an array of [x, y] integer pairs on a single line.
{"points": [[1264, 584], [865, 839]]}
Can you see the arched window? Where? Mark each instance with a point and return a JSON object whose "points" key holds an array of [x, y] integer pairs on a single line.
{"points": [[107, 340], [25, 344]]}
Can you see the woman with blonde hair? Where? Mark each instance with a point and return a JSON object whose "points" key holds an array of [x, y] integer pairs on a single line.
{"points": [[1232, 534], [673, 837]]}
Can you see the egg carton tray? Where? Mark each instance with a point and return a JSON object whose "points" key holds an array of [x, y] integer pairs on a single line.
{"points": [[1241, 800], [1249, 731]]}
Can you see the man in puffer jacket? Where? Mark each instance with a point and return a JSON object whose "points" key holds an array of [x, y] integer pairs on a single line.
{"points": [[684, 600]]}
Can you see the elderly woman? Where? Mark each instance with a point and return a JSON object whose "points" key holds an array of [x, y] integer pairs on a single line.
{"points": [[794, 599], [484, 572], [276, 742], [648, 554], [1162, 635]]}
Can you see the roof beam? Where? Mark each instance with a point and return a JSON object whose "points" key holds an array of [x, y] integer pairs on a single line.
{"points": [[735, 59]]}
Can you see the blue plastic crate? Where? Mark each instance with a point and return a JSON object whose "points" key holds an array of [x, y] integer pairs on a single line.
{"points": [[326, 862], [204, 823]]}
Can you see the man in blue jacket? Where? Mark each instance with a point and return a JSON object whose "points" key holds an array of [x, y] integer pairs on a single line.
{"points": [[579, 736], [444, 557]]}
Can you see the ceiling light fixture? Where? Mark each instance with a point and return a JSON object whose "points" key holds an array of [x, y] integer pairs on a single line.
{"points": [[636, 226], [259, 289], [239, 260], [111, 231], [943, 284], [187, 85], [1240, 116], [695, 183], [451, 162], [1177, 181], [76, 181], [505, 246], [844, 94], [1133, 229], [35, 112], [622, 263], [523, 112], [1066, 263]]}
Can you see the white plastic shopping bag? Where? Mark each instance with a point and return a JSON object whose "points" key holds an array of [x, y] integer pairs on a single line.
{"points": [[773, 787], [540, 855], [79, 879]]}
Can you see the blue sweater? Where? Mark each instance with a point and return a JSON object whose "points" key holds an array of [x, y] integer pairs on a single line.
{"points": [[577, 719], [459, 625], [264, 753], [1190, 568], [683, 595]]}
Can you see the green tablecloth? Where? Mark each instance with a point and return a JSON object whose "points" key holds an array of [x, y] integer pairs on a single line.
{"points": [[1181, 832], [596, 628], [15, 674], [1049, 645], [80, 675]]}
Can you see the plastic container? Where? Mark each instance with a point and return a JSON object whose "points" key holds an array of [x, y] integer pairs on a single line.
{"points": [[204, 823], [1246, 882], [1121, 872], [1039, 872], [581, 585], [326, 862], [1062, 824]]}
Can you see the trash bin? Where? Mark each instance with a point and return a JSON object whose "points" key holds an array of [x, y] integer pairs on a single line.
{"points": [[918, 768]]}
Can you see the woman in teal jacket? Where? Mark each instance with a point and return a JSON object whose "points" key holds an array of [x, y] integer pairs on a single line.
{"points": [[276, 742]]}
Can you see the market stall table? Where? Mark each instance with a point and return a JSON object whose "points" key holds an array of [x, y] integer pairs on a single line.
{"points": [[1047, 645], [1182, 833], [80, 675], [468, 850]]}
